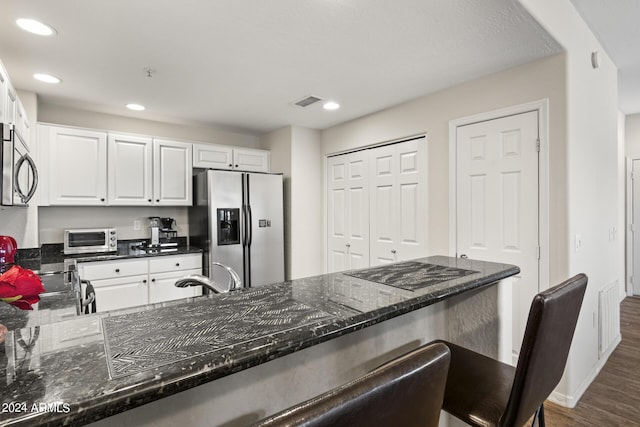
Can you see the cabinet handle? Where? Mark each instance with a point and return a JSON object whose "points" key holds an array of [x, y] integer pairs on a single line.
{"points": [[236, 165], [348, 245], [157, 200], [177, 264], [230, 165], [102, 199], [117, 270], [153, 280], [144, 281], [393, 251], [150, 200]]}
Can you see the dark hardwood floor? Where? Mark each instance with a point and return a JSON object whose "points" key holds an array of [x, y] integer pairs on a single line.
{"points": [[613, 399]]}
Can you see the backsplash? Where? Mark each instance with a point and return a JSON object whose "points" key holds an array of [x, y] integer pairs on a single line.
{"points": [[54, 220]]}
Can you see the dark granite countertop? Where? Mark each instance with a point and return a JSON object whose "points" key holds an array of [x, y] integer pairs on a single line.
{"points": [[82, 369], [60, 302]]}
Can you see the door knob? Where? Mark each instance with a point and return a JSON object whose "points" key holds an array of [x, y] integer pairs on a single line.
{"points": [[463, 256]]}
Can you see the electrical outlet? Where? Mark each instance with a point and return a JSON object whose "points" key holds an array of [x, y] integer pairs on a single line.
{"points": [[137, 224]]}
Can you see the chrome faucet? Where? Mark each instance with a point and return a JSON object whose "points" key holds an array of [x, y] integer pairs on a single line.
{"points": [[200, 280]]}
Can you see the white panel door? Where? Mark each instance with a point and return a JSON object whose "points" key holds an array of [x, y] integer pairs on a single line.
{"points": [[398, 202], [77, 166], [636, 227], [497, 202], [172, 170], [130, 177], [348, 212]]}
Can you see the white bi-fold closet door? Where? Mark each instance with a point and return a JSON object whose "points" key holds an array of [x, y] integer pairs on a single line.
{"points": [[377, 205]]}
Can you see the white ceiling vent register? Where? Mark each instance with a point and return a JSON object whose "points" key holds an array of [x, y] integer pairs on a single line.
{"points": [[306, 101]]}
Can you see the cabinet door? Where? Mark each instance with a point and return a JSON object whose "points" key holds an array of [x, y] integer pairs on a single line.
{"points": [[348, 207], [174, 263], [130, 172], [162, 286], [22, 125], [77, 166], [11, 105], [398, 202], [172, 170], [97, 270], [249, 160], [122, 292], [211, 156]]}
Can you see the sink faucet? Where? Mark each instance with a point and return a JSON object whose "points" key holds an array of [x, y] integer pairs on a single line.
{"points": [[200, 280]]}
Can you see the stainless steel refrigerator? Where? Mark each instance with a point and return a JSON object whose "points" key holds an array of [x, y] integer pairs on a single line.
{"points": [[237, 218]]}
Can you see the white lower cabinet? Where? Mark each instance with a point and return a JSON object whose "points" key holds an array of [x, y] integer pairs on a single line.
{"points": [[131, 282], [162, 287], [122, 292]]}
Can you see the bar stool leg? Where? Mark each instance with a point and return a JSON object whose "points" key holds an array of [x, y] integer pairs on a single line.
{"points": [[539, 417]]}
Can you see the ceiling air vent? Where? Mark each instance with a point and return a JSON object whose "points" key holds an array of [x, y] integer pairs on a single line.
{"points": [[306, 101]]}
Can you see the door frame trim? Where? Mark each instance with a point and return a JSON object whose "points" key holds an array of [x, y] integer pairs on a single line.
{"points": [[628, 285], [542, 107]]}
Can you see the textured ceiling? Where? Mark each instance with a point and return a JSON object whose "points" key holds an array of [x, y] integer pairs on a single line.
{"points": [[615, 25], [240, 63]]}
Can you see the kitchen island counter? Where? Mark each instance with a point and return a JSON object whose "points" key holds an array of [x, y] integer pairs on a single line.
{"points": [[85, 369]]}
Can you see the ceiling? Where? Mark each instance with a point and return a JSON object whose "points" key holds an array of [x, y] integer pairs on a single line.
{"points": [[239, 64], [615, 25]]}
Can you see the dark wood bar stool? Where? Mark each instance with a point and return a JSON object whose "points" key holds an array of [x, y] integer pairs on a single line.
{"points": [[407, 391], [485, 392]]}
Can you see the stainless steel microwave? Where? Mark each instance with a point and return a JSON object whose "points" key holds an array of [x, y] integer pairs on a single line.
{"points": [[19, 177], [90, 240]]}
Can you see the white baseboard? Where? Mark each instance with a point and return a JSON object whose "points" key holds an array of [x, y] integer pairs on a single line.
{"points": [[570, 401]]}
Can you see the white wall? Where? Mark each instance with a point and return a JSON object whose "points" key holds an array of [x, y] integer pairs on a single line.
{"points": [[63, 115], [306, 203], [632, 136], [54, 219], [431, 114], [593, 203], [295, 152]]}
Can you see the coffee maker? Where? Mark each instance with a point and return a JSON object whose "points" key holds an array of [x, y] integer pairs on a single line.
{"points": [[163, 234]]}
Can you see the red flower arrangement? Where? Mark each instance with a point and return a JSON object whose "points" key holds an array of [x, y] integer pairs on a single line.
{"points": [[20, 287]]}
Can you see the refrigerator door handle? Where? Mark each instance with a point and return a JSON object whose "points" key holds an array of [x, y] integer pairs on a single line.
{"points": [[243, 226], [249, 227]]}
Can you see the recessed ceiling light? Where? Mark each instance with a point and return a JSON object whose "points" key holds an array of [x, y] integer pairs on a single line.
{"points": [[331, 105], [35, 27], [46, 78], [135, 107]]}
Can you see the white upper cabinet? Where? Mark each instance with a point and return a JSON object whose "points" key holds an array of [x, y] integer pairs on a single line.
{"points": [[130, 172], [251, 160], [211, 156], [172, 171], [11, 104], [77, 165], [11, 109]]}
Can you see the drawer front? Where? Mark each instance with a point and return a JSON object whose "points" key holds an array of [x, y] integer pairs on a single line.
{"points": [[112, 269], [167, 263]]}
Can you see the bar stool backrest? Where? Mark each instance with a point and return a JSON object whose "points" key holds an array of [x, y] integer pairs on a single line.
{"points": [[547, 339]]}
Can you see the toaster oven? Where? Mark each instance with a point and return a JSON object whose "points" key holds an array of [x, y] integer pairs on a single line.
{"points": [[90, 240]]}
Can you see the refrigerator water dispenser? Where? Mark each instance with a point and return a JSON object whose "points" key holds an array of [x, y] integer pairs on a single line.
{"points": [[228, 229]]}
